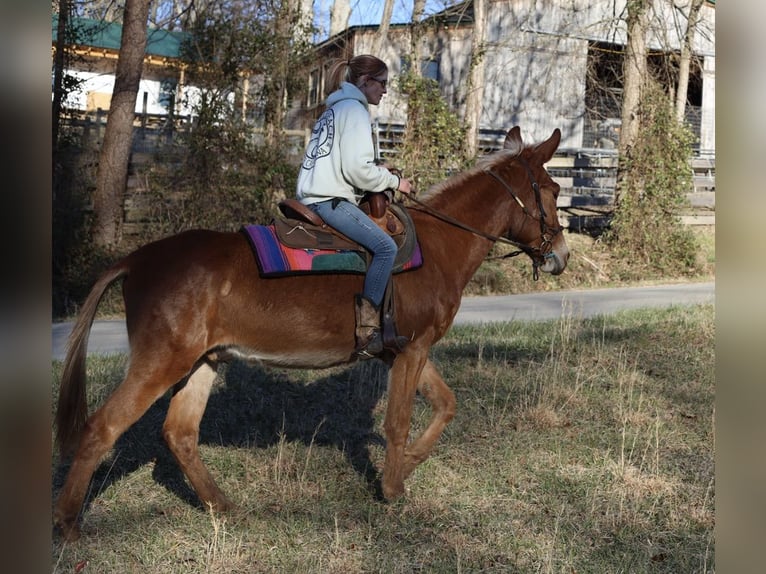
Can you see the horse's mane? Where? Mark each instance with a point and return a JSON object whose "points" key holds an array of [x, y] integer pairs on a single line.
{"points": [[485, 162]]}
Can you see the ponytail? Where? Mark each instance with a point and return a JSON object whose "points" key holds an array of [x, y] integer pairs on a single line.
{"points": [[352, 69]]}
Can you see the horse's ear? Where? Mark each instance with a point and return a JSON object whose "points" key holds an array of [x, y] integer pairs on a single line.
{"points": [[547, 148], [513, 139]]}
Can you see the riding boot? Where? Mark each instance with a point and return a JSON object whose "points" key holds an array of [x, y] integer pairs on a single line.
{"points": [[369, 342]]}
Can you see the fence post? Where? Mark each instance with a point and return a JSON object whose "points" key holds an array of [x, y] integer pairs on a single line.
{"points": [[171, 119], [376, 139], [144, 110], [99, 135]]}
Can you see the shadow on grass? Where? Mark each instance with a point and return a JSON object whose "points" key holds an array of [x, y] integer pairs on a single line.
{"points": [[253, 407]]}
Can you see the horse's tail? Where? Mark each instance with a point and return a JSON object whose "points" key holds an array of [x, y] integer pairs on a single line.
{"points": [[72, 410]]}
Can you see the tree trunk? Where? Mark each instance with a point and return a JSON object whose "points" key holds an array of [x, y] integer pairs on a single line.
{"points": [[418, 9], [58, 70], [634, 77], [475, 93], [686, 56], [118, 135], [339, 15], [385, 20], [287, 17], [416, 37]]}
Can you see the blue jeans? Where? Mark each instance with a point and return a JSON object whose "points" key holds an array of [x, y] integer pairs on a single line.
{"points": [[356, 225]]}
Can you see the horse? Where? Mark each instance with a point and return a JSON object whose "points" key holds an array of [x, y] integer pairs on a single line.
{"points": [[196, 299]]}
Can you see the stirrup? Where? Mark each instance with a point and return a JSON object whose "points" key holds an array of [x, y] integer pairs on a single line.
{"points": [[396, 344], [372, 348]]}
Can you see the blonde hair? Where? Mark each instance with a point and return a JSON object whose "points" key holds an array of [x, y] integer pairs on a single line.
{"points": [[351, 70]]}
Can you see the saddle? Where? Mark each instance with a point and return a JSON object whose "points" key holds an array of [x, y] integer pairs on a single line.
{"points": [[302, 228]]}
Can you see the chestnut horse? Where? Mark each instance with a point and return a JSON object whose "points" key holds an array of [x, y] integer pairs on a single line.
{"points": [[196, 298]]}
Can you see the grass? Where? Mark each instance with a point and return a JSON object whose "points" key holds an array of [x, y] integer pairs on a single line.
{"points": [[591, 265], [579, 445]]}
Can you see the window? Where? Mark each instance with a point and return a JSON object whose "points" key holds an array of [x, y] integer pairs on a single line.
{"points": [[430, 69], [604, 84], [313, 98]]}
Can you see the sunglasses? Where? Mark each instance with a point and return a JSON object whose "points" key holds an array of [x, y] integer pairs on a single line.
{"points": [[383, 83]]}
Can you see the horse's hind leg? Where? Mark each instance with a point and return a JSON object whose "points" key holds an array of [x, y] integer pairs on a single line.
{"points": [[442, 401], [123, 408], [181, 433]]}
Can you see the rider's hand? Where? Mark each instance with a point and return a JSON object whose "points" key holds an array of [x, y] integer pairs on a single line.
{"points": [[405, 186]]}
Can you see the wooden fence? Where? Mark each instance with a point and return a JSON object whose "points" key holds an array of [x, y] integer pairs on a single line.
{"points": [[586, 176]]}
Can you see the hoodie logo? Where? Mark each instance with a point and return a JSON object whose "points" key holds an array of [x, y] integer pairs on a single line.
{"points": [[322, 137]]}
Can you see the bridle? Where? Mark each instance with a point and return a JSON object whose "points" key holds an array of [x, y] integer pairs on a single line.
{"points": [[547, 233]]}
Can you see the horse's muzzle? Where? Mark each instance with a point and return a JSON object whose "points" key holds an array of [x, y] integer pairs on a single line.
{"points": [[555, 262]]}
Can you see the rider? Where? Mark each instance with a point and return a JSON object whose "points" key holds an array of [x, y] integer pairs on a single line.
{"points": [[339, 167]]}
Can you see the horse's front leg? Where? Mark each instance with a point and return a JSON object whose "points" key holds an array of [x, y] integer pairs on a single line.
{"points": [[442, 401], [402, 383]]}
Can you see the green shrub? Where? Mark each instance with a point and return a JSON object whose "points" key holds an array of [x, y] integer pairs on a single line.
{"points": [[434, 140], [654, 179]]}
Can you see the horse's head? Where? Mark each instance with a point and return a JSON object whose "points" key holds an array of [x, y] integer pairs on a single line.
{"points": [[537, 231], [510, 197]]}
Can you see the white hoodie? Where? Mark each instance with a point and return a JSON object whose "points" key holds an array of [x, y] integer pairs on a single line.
{"points": [[340, 158]]}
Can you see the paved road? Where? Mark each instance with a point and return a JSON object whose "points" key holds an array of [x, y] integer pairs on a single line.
{"points": [[580, 303], [110, 336]]}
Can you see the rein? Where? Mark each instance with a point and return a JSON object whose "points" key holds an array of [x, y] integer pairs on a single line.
{"points": [[545, 231], [452, 221]]}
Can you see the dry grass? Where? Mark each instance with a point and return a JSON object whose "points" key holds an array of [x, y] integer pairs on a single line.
{"points": [[591, 265], [578, 446]]}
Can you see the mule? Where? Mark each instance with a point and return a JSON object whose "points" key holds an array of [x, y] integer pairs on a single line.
{"points": [[196, 298]]}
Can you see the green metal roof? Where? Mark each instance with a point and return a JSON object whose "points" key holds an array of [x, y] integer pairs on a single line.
{"points": [[100, 34]]}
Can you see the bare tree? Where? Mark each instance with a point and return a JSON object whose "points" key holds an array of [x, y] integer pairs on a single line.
{"points": [[106, 10], [634, 74], [385, 21], [339, 14], [416, 38], [173, 14], [418, 9], [686, 56], [476, 81], [118, 135], [58, 68], [276, 82], [291, 27]]}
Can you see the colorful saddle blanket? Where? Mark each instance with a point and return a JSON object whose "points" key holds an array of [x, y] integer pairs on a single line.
{"points": [[277, 260]]}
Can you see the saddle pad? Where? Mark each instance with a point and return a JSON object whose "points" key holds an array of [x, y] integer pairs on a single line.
{"points": [[277, 260]]}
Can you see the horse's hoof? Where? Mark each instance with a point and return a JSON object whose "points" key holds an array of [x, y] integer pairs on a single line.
{"points": [[66, 525], [223, 505], [69, 532], [393, 493]]}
